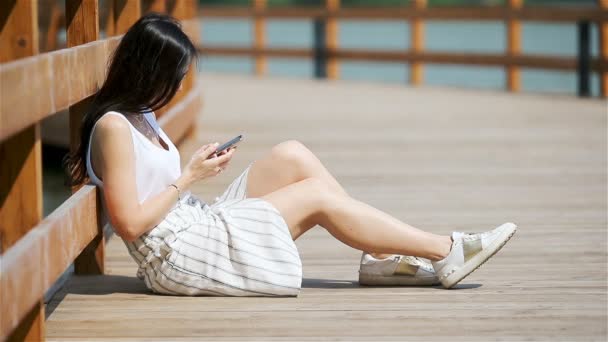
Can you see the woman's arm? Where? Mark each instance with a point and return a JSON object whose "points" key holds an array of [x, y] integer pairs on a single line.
{"points": [[117, 168]]}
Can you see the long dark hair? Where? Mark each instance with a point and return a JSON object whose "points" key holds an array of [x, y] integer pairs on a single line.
{"points": [[144, 73]]}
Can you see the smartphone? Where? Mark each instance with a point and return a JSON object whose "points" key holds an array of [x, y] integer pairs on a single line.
{"points": [[227, 145]]}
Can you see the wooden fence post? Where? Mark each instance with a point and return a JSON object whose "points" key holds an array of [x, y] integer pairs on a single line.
{"points": [[259, 38], [320, 48], [20, 156], [126, 13], [184, 10], [603, 33], [159, 6], [417, 44], [331, 40], [514, 46], [584, 58], [82, 26]]}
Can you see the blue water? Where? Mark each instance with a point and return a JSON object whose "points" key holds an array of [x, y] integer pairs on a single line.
{"points": [[480, 37]]}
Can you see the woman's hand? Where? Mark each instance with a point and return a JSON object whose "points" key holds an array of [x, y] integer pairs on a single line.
{"points": [[206, 163]]}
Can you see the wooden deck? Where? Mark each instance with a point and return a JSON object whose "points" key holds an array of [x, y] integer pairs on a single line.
{"points": [[438, 158]]}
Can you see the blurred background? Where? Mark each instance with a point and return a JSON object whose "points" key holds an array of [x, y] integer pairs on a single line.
{"points": [[559, 39], [229, 36]]}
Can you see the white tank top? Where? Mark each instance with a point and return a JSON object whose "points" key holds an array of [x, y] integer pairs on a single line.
{"points": [[155, 167]]}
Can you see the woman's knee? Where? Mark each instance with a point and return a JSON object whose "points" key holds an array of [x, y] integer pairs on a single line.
{"points": [[293, 152]]}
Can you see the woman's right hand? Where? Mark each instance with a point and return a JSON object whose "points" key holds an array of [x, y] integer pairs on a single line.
{"points": [[202, 165]]}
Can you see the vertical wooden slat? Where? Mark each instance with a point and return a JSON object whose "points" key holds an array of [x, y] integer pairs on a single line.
{"points": [[82, 25], [21, 157], [110, 24], [259, 38], [514, 46], [331, 39], [54, 26], [126, 13], [159, 6], [178, 10], [49, 14], [184, 10], [603, 35], [417, 44]]}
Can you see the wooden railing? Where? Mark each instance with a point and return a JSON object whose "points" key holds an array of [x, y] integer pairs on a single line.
{"points": [[327, 54], [36, 251]]}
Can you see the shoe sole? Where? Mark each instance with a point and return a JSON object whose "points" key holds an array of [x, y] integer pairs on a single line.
{"points": [[482, 257], [372, 279]]}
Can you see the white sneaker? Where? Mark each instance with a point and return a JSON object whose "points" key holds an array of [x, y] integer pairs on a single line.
{"points": [[469, 251], [396, 270]]}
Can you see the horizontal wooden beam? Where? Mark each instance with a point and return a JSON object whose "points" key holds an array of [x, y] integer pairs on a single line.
{"points": [[38, 86], [35, 262], [30, 267], [525, 61], [529, 13]]}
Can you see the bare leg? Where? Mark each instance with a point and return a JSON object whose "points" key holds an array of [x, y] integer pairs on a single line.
{"points": [[289, 162], [311, 201]]}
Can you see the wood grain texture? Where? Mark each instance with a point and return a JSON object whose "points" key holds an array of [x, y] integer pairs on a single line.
{"points": [[126, 13], [59, 79], [440, 159], [82, 27], [20, 164], [31, 266]]}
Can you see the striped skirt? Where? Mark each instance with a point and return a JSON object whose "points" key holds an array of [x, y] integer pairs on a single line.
{"points": [[237, 246]]}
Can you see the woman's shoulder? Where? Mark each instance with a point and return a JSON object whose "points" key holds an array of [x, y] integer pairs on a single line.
{"points": [[112, 126], [116, 121]]}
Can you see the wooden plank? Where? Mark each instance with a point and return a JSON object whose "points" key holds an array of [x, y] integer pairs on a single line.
{"points": [[486, 13], [82, 28], [59, 79], [259, 37], [44, 253], [472, 159], [513, 46], [399, 56], [603, 36], [21, 166], [417, 43]]}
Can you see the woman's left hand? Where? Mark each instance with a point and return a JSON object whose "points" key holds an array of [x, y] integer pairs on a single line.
{"points": [[223, 165]]}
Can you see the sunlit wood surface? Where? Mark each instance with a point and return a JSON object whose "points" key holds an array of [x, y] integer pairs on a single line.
{"points": [[440, 159]]}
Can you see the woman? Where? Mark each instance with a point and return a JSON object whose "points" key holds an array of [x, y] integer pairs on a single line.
{"points": [[243, 243]]}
